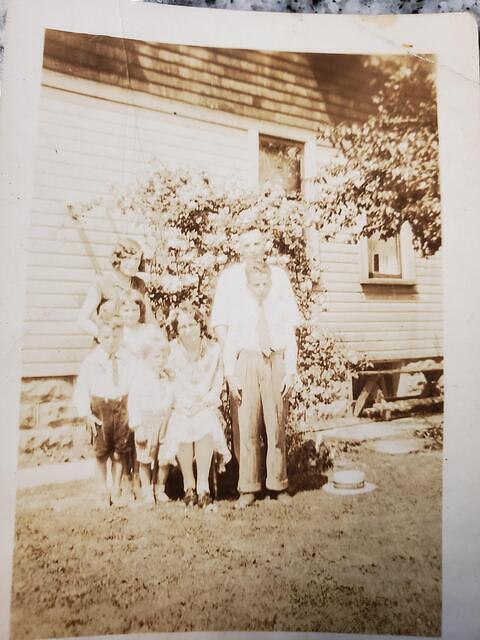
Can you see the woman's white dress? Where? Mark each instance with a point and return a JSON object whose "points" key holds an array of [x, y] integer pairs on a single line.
{"points": [[196, 383]]}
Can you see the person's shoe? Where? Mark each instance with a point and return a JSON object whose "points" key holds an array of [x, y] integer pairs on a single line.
{"points": [[205, 501], [190, 498], [245, 500], [283, 497]]}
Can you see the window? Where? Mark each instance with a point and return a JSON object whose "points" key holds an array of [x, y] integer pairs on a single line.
{"points": [[384, 258], [390, 261], [281, 163]]}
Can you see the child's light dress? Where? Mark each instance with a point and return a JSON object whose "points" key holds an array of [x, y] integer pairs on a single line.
{"points": [[196, 383], [149, 403]]}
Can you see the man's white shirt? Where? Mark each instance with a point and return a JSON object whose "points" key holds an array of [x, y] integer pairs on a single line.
{"points": [[236, 308]]}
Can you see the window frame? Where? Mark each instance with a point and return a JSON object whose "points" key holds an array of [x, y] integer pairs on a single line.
{"points": [[309, 158], [407, 262], [280, 139]]}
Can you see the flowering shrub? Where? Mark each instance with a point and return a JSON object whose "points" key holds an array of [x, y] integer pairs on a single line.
{"points": [[325, 367], [305, 456], [191, 223]]}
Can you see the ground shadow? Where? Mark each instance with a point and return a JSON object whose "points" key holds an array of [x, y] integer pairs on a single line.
{"points": [[223, 486], [307, 481]]}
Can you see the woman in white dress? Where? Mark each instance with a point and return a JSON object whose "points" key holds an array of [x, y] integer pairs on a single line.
{"points": [[195, 428]]}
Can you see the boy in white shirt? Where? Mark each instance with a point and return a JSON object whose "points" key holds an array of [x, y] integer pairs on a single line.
{"points": [[149, 406], [260, 354], [100, 396]]}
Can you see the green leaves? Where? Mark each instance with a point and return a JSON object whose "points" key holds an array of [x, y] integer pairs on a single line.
{"points": [[388, 167]]}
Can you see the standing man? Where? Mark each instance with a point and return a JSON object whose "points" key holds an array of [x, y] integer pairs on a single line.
{"points": [[254, 317]]}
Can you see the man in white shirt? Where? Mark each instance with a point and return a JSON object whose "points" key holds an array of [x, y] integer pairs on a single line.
{"points": [[255, 321], [100, 396]]}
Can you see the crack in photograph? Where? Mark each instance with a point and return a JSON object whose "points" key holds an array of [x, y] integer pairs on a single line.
{"points": [[232, 385]]}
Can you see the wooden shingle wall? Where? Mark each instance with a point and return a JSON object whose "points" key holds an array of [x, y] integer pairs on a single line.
{"points": [[293, 89]]}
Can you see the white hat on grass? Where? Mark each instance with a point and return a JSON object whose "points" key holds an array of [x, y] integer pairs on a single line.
{"points": [[348, 482]]}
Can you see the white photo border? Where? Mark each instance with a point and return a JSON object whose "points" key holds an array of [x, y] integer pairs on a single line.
{"points": [[453, 39]]}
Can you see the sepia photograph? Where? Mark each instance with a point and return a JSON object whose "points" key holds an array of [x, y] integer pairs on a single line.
{"points": [[231, 395]]}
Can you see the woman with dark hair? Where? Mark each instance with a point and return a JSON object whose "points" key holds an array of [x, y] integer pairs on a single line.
{"points": [[195, 429], [127, 262]]}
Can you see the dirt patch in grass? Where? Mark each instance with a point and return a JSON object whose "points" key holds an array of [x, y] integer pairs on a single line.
{"points": [[355, 564]]}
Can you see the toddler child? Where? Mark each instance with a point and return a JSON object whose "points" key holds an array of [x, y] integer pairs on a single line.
{"points": [[101, 399], [149, 405]]}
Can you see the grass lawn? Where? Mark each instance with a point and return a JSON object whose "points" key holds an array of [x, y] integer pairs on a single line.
{"points": [[356, 564]]}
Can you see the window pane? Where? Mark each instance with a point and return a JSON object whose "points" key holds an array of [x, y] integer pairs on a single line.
{"points": [[280, 163], [384, 257]]}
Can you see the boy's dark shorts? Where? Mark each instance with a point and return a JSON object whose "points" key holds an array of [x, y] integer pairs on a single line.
{"points": [[113, 436]]}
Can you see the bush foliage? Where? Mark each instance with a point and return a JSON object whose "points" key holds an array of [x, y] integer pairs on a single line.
{"points": [[191, 223], [386, 171]]}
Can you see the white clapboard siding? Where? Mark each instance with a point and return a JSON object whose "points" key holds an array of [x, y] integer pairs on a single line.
{"points": [[382, 321], [41, 287], [54, 341], [385, 322], [85, 146], [36, 330]]}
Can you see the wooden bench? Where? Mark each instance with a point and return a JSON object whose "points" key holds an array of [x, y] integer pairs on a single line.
{"points": [[382, 385]]}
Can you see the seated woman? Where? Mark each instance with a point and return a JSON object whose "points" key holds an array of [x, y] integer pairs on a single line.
{"points": [[127, 264], [195, 430]]}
